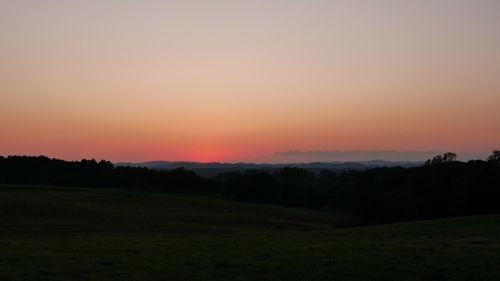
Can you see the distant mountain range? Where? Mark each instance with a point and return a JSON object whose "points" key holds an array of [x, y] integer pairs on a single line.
{"points": [[214, 168]]}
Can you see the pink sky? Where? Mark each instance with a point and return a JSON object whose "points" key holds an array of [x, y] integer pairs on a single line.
{"points": [[240, 80]]}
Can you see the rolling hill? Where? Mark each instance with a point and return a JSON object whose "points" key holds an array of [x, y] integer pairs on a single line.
{"points": [[215, 168], [55, 233]]}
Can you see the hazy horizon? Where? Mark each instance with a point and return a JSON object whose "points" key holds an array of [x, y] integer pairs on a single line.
{"points": [[228, 80], [295, 157]]}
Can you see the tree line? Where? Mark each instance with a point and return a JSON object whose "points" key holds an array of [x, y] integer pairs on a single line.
{"points": [[443, 187]]}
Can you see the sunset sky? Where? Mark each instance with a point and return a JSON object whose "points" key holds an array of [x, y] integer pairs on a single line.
{"points": [[232, 80]]}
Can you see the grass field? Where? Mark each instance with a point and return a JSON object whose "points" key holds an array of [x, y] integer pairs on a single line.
{"points": [[53, 233]]}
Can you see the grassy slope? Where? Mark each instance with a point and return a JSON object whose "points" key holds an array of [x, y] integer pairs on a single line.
{"points": [[95, 234]]}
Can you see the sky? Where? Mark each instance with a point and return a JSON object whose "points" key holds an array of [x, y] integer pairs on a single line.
{"points": [[233, 80]]}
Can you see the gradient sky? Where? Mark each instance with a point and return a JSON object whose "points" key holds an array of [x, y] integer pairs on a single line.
{"points": [[239, 80]]}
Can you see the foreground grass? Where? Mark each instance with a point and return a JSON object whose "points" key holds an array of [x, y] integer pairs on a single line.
{"points": [[95, 234]]}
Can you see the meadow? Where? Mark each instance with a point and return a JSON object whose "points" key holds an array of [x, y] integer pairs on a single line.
{"points": [[59, 233]]}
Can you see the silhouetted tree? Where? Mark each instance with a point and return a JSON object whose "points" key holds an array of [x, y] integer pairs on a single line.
{"points": [[445, 158], [495, 156]]}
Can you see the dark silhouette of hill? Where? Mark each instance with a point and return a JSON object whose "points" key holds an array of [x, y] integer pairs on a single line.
{"points": [[443, 187], [215, 168]]}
